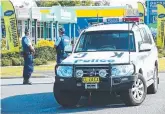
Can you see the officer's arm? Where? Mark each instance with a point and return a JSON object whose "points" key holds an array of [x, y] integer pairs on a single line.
{"points": [[58, 40], [29, 44], [31, 49]]}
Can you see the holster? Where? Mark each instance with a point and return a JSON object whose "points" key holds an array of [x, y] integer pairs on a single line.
{"points": [[24, 54]]}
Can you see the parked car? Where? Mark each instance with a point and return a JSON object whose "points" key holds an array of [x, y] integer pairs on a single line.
{"points": [[113, 58]]}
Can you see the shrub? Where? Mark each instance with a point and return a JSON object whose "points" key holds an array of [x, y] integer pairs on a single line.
{"points": [[38, 61], [9, 55], [163, 53], [44, 61], [43, 43], [16, 62], [3, 44], [160, 55], [6, 62], [21, 60], [47, 53]]}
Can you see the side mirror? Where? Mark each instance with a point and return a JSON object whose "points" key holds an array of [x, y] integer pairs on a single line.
{"points": [[68, 49], [145, 47]]}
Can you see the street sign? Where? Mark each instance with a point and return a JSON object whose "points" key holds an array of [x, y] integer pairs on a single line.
{"points": [[152, 9], [153, 4]]}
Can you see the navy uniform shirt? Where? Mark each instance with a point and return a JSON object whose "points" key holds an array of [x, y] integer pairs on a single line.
{"points": [[26, 42], [65, 39]]}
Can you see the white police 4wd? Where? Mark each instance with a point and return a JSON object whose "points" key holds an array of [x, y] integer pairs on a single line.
{"points": [[114, 58]]}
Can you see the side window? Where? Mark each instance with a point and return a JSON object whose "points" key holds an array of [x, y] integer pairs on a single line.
{"points": [[146, 37], [81, 43], [139, 37]]}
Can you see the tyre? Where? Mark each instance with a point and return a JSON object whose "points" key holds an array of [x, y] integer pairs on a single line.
{"points": [[135, 95], [66, 98], [152, 89]]}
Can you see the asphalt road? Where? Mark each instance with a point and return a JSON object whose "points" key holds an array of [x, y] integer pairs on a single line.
{"points": [[38, 99]]}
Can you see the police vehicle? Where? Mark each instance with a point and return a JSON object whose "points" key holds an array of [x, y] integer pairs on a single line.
{"points": [[119, 58]]}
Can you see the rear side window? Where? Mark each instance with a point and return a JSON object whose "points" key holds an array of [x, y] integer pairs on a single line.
{"points": [[146, 37]]}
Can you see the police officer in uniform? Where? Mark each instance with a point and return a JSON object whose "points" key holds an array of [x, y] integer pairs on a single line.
{"points": [[60, 44], [28, 52]]}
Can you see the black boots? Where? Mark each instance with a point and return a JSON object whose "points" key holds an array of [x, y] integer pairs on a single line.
{"points": [[27, 82]]}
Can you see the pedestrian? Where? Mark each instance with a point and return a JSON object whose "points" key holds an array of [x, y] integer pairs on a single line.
{"points": [[60, 44], [28, 53]]}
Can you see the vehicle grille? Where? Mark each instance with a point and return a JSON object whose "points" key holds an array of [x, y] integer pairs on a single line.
{"points": [[93, 70]]}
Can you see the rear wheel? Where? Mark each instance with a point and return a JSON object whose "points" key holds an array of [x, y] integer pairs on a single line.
{"points": [[152, 89], [66, 98], [135, 95]]}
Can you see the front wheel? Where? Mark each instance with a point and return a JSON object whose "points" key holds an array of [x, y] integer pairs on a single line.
{"points": [[66, 98], [135, 95]]}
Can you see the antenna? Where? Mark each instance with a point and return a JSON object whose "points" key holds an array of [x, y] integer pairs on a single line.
{"points": [[97, 18], [129, 40]]}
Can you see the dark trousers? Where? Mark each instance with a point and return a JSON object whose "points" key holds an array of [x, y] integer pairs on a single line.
{"points": [[28, 66], [59, 58]]}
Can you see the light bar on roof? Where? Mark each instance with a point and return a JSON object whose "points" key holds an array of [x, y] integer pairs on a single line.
{"points": [[131, 19]]}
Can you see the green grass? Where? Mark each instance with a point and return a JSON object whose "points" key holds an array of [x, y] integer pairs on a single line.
{"points": [[162, 64], [17, 71]]}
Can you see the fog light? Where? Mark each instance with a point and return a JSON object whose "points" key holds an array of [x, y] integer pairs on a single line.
{"points": [[102, 73], [79, 73]]}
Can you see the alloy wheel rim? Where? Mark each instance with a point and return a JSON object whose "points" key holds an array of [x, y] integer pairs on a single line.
{"points": [[138, 90]]}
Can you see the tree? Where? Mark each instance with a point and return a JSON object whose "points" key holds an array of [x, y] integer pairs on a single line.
{"points": [[49, 3], [102, 3], [87, 3], [46, 3]]}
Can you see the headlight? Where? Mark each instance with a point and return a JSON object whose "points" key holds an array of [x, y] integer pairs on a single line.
{"points": [[79, 73], [102, 73], [65, 71], [122, 70]]}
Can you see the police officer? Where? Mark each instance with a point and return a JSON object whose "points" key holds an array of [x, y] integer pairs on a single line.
{"points": [[60, 44], [28, 52]]}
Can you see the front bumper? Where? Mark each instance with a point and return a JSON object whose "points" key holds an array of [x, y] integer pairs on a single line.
{"points": [[113, 85]]}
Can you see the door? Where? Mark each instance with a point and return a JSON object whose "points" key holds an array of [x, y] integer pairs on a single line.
{"points": [[148, 56]]}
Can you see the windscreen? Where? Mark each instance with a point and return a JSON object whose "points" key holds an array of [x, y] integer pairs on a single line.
{"points": [[106, 41]]}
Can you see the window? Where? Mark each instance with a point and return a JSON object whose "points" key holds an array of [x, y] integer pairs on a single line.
{"points": [[40, 29], [81, 43], [48, 30], [139, 38], [19, 28], [107, 41], [145, 36], [33, 30]]}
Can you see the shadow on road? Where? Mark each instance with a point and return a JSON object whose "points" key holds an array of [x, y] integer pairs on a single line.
{"points": [[25, 85], [45, 103]]}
